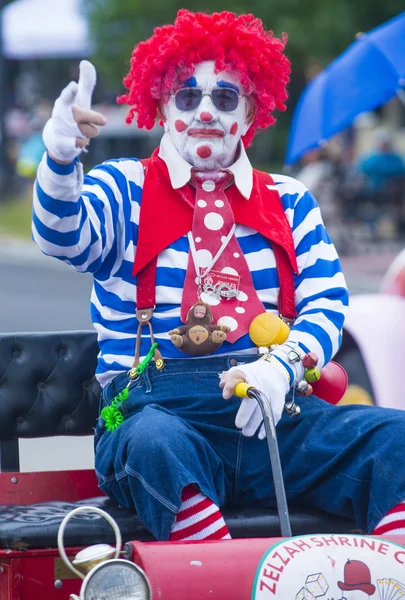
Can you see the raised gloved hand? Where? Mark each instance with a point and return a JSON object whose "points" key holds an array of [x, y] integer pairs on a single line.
{"points": [[72, 124], [268, 378]]}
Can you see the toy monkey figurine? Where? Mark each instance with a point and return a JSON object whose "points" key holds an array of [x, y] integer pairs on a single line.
{"points": [[199, 336]]}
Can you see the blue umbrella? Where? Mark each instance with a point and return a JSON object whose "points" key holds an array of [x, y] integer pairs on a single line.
{"points": [[368, 74]]}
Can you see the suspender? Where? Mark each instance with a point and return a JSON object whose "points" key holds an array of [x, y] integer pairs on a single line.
{"points": [[145, 303]]}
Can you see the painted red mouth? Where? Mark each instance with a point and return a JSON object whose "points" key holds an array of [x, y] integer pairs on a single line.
{"points": [[206, 133]]}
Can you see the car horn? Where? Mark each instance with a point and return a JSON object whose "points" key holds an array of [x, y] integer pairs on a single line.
{"points": [[105, 575]]}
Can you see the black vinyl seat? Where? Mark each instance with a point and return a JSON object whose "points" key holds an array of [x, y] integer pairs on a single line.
{"points": [[48, 388], [36, 525]]}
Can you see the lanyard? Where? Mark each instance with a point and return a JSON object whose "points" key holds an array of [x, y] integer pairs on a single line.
{"points": [[193, 250]]}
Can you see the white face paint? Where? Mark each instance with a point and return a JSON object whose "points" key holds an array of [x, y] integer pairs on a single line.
{"points": [[207, 137]]}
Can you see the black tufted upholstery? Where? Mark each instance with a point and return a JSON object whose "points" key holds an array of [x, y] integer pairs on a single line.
{"points": [[36, 526], [47, 384], [47, 388]]}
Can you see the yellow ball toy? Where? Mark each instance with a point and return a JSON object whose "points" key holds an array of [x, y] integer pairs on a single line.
{"points": [[268, 329]]}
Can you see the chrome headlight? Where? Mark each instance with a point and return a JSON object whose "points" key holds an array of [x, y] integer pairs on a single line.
{"points": [[116, 579]]}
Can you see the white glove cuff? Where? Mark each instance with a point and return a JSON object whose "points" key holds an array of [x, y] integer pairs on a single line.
{"points": [[296, 367]]}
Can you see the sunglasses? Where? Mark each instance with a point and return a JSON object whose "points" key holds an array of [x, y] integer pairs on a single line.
{"points": [[189, 98]]}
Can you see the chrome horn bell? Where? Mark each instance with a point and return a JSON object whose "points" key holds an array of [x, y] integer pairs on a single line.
{"points": [[105, 576]]}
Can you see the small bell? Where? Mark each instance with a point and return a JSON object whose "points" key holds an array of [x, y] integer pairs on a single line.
{"points": [[303, 388], [312, 375], [293, 356], [310, 360], [292, 409]]}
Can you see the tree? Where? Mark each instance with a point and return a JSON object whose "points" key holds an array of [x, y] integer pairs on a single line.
{"points": [[318, 30]]}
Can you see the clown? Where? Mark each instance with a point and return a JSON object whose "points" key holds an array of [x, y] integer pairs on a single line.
{"points": [[194, 226]]}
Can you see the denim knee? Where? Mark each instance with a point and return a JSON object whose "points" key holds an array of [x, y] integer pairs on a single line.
{"points": [[155, 432]]}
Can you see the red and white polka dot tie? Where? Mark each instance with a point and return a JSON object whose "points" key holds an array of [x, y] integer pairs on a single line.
{"points": [[213, 223]]}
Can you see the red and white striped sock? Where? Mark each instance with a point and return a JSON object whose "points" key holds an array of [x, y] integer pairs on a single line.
{"points": [[198, 518], [393, 522]]}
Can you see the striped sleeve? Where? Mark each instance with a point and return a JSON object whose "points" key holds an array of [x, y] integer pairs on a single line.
{"points": [[321, 294], [81, 219]]}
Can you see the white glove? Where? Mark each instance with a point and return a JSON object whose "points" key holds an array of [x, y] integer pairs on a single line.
{"points": [[62, 130], [265, 377]]}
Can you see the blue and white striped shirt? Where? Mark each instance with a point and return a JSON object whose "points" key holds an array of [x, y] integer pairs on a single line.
{"points": [[93, 225]]}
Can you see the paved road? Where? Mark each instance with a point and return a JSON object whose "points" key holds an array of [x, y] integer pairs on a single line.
{"points": [[364, 273], [39, 293]]}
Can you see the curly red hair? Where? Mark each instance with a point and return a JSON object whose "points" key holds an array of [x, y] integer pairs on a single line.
{"points": [[162, 63]]}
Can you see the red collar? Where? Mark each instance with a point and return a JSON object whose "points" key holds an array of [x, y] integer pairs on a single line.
{"points": [[166, 214]]}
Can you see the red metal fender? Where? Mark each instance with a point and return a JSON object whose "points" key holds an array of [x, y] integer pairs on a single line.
{"points": [[215, 570], [377, 324]]}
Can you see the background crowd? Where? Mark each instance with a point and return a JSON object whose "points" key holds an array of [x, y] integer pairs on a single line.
{"points": [[362, 197]]}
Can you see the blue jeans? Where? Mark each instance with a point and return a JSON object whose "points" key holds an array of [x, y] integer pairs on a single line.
{"points": [[178, 430]]}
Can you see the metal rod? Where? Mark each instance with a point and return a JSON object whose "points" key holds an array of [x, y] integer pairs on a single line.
{"points": [[275, 462]]}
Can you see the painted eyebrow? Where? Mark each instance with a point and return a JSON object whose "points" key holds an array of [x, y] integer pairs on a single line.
{"points": [[228, 84], [190, 82]]}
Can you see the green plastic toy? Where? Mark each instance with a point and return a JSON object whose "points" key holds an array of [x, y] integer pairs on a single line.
{"points": [[112, 415]]}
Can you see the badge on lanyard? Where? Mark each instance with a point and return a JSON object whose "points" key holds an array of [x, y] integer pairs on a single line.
{"points": [[215, 283], [221, 285]]}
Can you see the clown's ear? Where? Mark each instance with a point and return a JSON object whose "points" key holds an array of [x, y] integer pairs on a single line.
{"points": [[161, 113], [250, 113]]}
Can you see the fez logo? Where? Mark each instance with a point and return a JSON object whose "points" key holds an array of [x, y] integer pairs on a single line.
{"points": [[335, 567]]}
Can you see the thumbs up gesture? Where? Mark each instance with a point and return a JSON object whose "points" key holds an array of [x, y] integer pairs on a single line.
{"points": [[73, 122]]}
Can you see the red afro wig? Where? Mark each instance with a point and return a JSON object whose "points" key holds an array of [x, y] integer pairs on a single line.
{"points": [[162, 63]]}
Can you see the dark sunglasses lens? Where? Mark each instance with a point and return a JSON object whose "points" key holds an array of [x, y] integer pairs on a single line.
{"points": [[188, 98], [225, 99]]}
